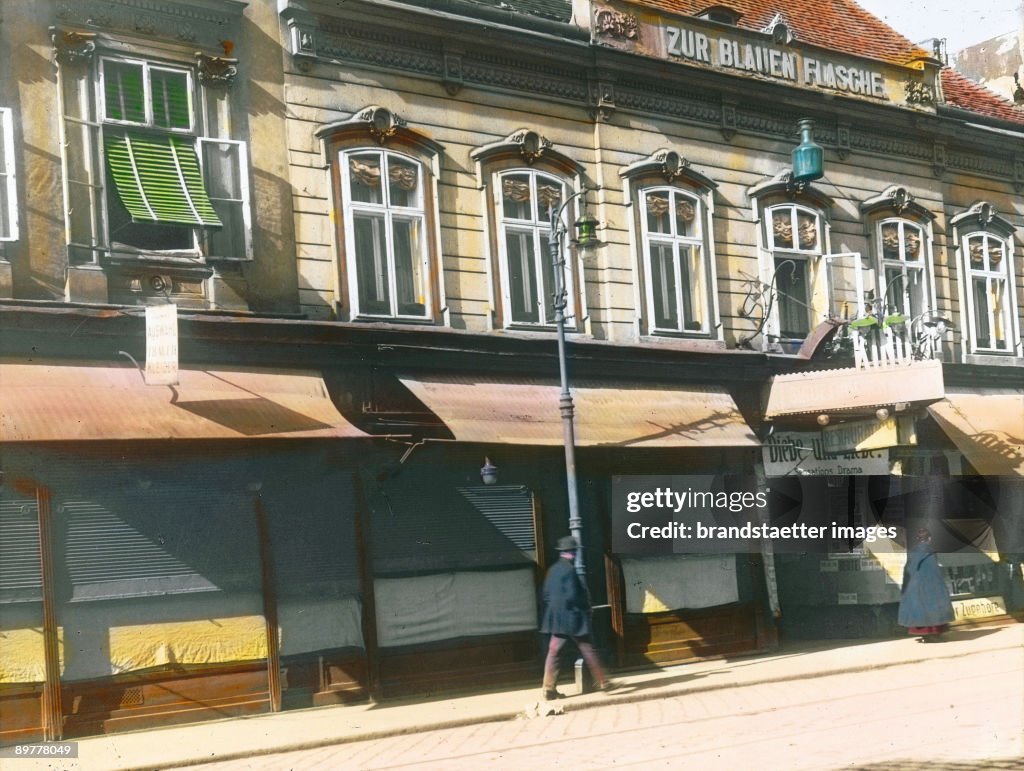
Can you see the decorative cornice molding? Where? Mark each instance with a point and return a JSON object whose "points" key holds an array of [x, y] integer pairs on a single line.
{"points": [[728, 124], [330, 41], [939, 164], [601, 98], [202, 22], [980, 164], [842, 141], [452, 78], [884, 144]]}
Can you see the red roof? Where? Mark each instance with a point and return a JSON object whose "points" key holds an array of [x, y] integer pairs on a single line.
{"points": [[842, 25], [839, 25], [964, 93]]}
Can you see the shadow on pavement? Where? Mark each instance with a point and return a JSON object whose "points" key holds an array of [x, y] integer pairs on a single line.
{"points": [[1014, 764]]}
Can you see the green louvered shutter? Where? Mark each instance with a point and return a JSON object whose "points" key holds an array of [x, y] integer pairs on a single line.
{"points": [[158, 179]]}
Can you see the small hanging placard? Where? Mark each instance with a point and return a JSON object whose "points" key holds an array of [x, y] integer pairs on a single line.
{"points": [[161, 345]]}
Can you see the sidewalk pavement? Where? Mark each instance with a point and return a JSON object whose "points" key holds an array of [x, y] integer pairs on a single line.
{"points": [[308, 728]]}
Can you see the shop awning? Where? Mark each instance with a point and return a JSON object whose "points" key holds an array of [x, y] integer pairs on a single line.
{"points": [[987, 426], [61, 401], [524, 410], [852, 390]]}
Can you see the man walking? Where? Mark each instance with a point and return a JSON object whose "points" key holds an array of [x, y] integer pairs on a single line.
{"points": [[567, 616]]}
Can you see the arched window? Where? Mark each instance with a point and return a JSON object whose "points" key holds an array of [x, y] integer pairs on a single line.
{"points": [[674, 261], [526, 180], [989, 313], [793, 235], [672, 205], [385, 235], [383, 180], [527, 199], [795, 243], [901, 238]]}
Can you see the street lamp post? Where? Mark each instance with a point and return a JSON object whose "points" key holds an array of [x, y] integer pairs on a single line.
{"points": [[560, 301]]}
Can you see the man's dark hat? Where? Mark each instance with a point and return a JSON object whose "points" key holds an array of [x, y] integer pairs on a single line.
{"points": [[568, 543]]}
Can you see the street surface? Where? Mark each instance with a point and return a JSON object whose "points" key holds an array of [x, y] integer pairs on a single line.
{"points": [[951, 714]]}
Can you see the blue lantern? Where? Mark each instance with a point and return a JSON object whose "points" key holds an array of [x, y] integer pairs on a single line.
{"points": [[808, 157]]}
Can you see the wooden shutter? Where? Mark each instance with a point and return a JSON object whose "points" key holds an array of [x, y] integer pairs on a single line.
{"points": [[158, 179], [8, 188], [225, 166]]}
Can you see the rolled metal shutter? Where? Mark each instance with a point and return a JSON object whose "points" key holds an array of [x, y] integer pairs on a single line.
{"points": [[21, 577], [417, 529]]}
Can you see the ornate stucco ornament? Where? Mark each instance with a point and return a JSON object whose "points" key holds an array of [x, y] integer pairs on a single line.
{"points": [[217, 70], [70, 47], [614, 24]]}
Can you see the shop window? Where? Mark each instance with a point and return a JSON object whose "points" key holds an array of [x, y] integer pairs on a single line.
{"points": [[525, 180], [672, 204], [385, 194], [151, 168], [990, 318], [8, 189]]}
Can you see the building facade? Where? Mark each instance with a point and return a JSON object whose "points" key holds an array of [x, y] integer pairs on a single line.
{"points": [[362, 213]]}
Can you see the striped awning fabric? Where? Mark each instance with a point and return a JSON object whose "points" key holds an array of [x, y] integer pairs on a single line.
{"points": [[158, 179]]}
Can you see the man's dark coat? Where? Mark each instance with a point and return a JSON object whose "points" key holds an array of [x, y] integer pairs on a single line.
{"points": [[566, 607]]}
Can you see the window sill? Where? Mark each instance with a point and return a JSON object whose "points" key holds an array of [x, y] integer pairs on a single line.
{"points": [[393, 320], [541, 328], [689, 341], [1007, 359], [185, 259]]}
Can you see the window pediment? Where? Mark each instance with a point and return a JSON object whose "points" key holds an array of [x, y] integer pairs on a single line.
{"points": [[671, 166], [526, 146], [898, 200], [781, 187], [983, 216], [381, 126]]}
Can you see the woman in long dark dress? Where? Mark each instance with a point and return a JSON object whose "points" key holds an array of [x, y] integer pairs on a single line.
{"points": [[925, 606]]}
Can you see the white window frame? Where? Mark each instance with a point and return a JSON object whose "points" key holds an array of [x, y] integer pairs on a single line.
{"points": [[147, 67], [697, 243], [241, 169], [810, 259], [539, 231], [8, 178], [1005, 276], [83, 106], [390, 213]]}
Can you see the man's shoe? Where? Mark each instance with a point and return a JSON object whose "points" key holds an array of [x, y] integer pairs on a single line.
{"points": [[608, 686], [551, 694]]}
